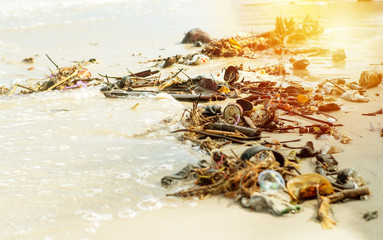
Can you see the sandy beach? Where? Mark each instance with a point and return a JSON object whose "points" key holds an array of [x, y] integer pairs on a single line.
{"points": [[218, 217], [70, 166]]}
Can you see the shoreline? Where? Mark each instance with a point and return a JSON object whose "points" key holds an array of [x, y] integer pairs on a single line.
{"points": [[217, 216]]}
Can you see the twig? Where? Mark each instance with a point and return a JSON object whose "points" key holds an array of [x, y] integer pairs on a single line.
{"points": [[12, 91], [30, 89], [336, 85], [211, 135], [235, 155], [175, 75], [310, 118], [187, 76], [52, 62], [64, 80]]}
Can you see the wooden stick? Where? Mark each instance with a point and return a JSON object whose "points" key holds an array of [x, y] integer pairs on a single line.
{"points": [[64, 80], [52, 62], [350, 193], [336, 85], [308, 117], [218, 132], [212, 135], [30, 89], [12, 91]]}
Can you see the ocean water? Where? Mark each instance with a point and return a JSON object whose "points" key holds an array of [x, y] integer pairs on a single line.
{"points": [[73, 159]]}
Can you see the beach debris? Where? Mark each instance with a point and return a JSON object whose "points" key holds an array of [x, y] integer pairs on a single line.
{"points": [[328, 107], [370, 79], [305, 186], [196, 35], [170, 61], [324, 210], [339, 55], [185, 174], [354, 96], [345, 139], [75, 76], [29, 60], [4, 90], [250, 132], [287, 31], [307, 151], [301, 64], [380, 111], [232, 113], [231, 75], [370, 215], [263, 180], [198, 44], [328, 162], [211, 110], [270, 180], [197, 59], [350, 179], [359, 193], [275, 202]]}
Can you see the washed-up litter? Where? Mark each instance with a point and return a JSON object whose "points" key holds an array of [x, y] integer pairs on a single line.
{"points": [[339, 55], [370, 79], [196, 35], [262, 179], [75, 76], [354, 96], [368, 216], [286, 31], [380, 111]]}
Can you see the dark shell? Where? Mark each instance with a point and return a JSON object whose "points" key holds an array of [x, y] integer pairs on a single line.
{"points": [[196, 35], [231, 74]]}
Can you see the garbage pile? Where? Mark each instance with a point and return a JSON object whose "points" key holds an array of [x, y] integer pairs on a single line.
{"points": [[286, 31], [75, 76], [262, 179]]}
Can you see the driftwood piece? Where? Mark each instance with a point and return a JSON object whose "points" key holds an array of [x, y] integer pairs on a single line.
{"points": [[349, 194], [232, 128]]}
